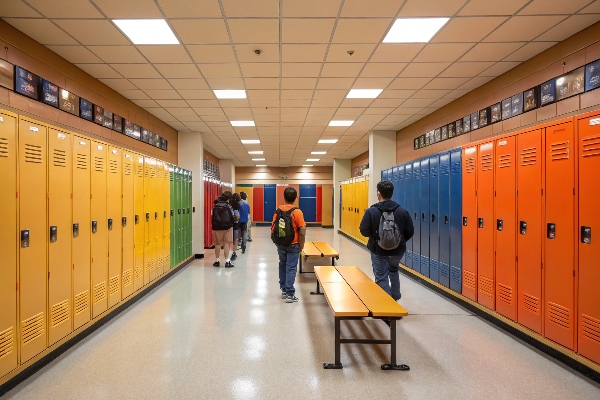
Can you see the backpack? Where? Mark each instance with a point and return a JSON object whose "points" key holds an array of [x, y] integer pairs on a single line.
{"points": [[389, 233], [283, 232], [222, 218]]}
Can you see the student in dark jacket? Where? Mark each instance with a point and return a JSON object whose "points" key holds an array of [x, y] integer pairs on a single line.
{"points": [[386, 262]]}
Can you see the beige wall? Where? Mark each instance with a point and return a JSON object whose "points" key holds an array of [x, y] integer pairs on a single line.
{"points": [[565, 56], [29, 54], [210, 157], [295, 175], [360, 160]]}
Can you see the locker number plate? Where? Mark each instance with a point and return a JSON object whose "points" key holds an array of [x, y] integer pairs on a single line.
{"points": [[594, 121], [586, 234]]}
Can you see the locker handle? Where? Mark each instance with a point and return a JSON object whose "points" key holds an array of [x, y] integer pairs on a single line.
{"points": [[551, 231], [415, 216], [586, 234], [499, 224], [147, 217], [432, 217], [75, 230], [465, 221], [446, 219], [179, 211], [110, 224], [124, 221], [155, 215], [94, 226], [172, 212], [164, 215], [423, 216], [137, 219], [480, 223], [53, 234], [522, 227], [25, 238]]}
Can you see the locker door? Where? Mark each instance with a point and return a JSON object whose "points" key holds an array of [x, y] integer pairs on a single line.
{"points": [[127, 223], [178, 215], [270, 202], [416, 208], [588, 343], [114, 226], [529, 240], [559, 247], [139, 222], [399, 187], [425, 217], [469, 223], [456, 228], [99, 229], [167, 216], [159, 217], [384, 174], [393, 177], [444, 219], [434, 218], [408, 183], [485, 225], [505, 208], [173, 215], [8, 243], [189, 215], [149, 221], [258, 206], [60, 308]]}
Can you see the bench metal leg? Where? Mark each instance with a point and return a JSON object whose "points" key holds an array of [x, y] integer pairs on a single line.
{"points": [[318, 289], [392, 365], [337, 364], [300, 269]]}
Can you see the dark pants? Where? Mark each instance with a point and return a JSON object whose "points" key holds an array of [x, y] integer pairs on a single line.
{"points": [[244, 228], [385, 269], [288, 263]]}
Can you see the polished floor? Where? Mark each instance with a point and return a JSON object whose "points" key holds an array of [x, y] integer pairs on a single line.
{"points": [[211, 333]]}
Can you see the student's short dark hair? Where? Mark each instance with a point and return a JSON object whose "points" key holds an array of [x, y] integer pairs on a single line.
{"points": [[243, 195], [290, 194], [386, 188], [226, 195]]}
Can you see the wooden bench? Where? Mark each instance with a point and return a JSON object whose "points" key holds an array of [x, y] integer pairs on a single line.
{"points": [[353, 295], [317, 249]]}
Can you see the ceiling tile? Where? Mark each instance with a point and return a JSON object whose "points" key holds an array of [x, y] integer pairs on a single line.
{"points": [[75, 54], [485, 7], [326, 103], [179, 111], [310, 8], [371, 83], [172, 103], [303, 53], [396, 94], [17, 9], [409, 83], [262, 94], [220, 70], [382, 69], [188, 84], [298, 83], [372, 8], [339, 52], [151, 83], [523, 28], [136, 70], [212, 53], [65, 9], [225, 83], [360, 30], [466, 69], [431, 8], [440, 52], [307, 30], [145, 103], [445, 83], [188, 71], [264, 103], [300, 70], [396, 52], [134, 94], [254, 30], [593, 8], [245, 9], [545, 7], [341, 70], [118, 84], [335, 83], [468, 29], [499, 68], [430, 94], [476, 82], [99, 70], [168, 94], [245, 53], [209, 111], [201, 31], [196, 94], [118, 54], [262, 83], [330, 94], [569, 27], [260, 70], [203, 103], [490, 51], [529, 50], [171, 54], [379, 110], [387, 103], [423, 70], [129, 8], [93, 32], [356, 103], [41, 30]]}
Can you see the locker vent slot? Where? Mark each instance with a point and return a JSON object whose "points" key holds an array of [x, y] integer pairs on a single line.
{"points": [[487, 162], [152, 172], [531, 303], [433, 172], [456, 167], [149, 266], [470, 165], [486, 286], [60, 313], [7, 342], [559, 151], [126, 278], [505, 294], [455, 275], [558, 314], [127, 169], [33, 328], [140, 171], [3, 148], [100, 292], [528, 157], [82, 161], [424, 263], [137, 273], [444, 169], [590, 327], [416, 174], [113, 166], [505, 161], [469, 279], [33, 154], [167, 260], [59, 158], [424, 173], [444, 269], [114, 285], [99, 164], [82, 302], [159, 262], [591, 146], [433, 266]]}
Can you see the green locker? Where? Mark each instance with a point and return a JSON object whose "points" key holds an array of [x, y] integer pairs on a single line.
{"points": [[172, 211]]}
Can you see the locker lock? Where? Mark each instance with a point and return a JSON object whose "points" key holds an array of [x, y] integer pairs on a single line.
{"points": [[193, 209], [465, 221], [499, 224], [75, 230], [179, 211], [188, 210], [137, 219], [110, 224], [124, 221], [432, 217], [522, 227], [25, 238], [172, 212], [147, 217], [416, 216], [481, 223], [155, 215], [53, 234], [586, 234], [423, 216], [164, 215], [446, 219], [94, 226], [551, 231]]}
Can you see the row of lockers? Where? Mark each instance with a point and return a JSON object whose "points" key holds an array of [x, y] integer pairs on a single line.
{"points": [[180, 214], [212, 190], [84, 225], [264, 200], [430, 190], [354, 201]]}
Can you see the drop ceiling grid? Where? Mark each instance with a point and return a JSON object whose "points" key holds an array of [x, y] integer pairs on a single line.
{"points": [[306, 96]]}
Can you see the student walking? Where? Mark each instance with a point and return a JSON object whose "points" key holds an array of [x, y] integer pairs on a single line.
{"points": [[288, 232], [222, 225], [244, 217], [388, 226]]}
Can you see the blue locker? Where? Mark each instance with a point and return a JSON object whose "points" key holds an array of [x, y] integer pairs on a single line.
{"points": [[408, 178], [394, 179], [424, 200], [270, 193], [416, 213], [444, 224], [307, 191], [384, 174], [434, 218], [399, 194], [456, 221], [308, 205]]}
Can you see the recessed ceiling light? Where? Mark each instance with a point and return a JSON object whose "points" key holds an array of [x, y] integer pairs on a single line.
{"points": [[261, 165], [258, 159], [363, 93], [341, 123], [255, 152], [307, 165], [414, 30], [230, 94], [313, 159], [147, 31], [250, 141], [242, 123], [327, 141], [318, 152]]}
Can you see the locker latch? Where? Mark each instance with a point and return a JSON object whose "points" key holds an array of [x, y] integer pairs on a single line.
{"points": [[416, 216], [164, 214], [432, 217], [423, 216], [193, 209], [110, 223], [25, 238], [147, 217], [137, 219], [75, 230], [551, 230], [94, 226], [446, 219], [53, 234], [189, 210], [172, 212], [465, 223], [179, 211], [586, 234], [523, 227], [156, 215], [124, 221], [481, 223], [499, 224]]}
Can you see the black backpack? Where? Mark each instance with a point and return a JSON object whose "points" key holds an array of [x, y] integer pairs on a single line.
{"points": [[388, 233], [283, 228], [222, 217]]}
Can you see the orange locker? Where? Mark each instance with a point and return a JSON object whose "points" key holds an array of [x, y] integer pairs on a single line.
{"points": [[159, 218], [99, 229], [588, 343], [33, 235], [60, 216], [127, 223], [149, 221], [167, 217], [114, 225], [529, 229], [505, 208], [82, 231], [559, 245], [469, 229], [485, 225], [8, 243], [138, 222]]}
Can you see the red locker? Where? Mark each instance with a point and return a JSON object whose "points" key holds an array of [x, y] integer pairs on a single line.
{"points": [[319, 203], [588, 343], [258, 196], [469, 229], [530, 230], [505, 208], [560, 235], [485, 225]]}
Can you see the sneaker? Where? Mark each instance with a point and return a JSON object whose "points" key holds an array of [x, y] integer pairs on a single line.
{"points": [[243, 250], [290, 298], [229, 265], [233, 256], [283, 294], [249, 240], [217, 264]]}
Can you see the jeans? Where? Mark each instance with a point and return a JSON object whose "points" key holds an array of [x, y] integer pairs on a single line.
{"points": [[385, 269], [288, 263], [244, 228]]}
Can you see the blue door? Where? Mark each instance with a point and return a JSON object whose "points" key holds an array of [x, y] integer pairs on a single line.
{"points": [[384, 174], [434, 218], [399, 196], [308, 202], [425, 217], [456, 221], [416, 209], [270, 201], [444, 210], [408, 179]]}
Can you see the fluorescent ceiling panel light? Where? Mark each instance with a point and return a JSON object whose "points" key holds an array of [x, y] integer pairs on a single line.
{"points": [[242, 123], [341, 123], [327, 141], [258, 159], [230, 94], [307, 165], [147, 31], [255, 152], [414, 30], [313, 159], [262, 165], [250, 141], [363, 93], [318, 152]]}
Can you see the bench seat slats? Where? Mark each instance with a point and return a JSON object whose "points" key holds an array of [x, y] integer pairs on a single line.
{"points": [[310, 250], [343, 301], [328, 274], [325, 249], [378, 301], [353, 275]]}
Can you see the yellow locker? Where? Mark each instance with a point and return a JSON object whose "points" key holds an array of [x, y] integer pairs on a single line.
{"points": [[8, 243], [138, 222], [99, 229], [158, 216], [150, 222], [127, 223], [114, 225], [60, 308], [167, 216], [82, 230], [33, 237]]}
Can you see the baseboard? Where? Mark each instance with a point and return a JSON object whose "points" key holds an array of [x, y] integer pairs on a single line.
{"points": [[327, 226], [353, 239], [198, 256]]}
